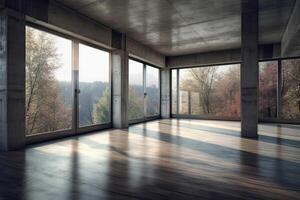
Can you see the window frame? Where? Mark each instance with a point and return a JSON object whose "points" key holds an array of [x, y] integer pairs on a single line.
{"points": [[75, 129], [190, 116], [145, 117], [278, 119]]}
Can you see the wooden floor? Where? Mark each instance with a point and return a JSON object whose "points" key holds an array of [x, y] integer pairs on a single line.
{"points": [[166, 159]]}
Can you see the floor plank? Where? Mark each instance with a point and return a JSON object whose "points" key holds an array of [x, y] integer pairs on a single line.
{"points": [[163, 159]]}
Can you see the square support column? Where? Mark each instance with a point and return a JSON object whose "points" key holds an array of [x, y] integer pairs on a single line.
{"points": [[165, 93], [119, 63], [249, 69], [12, 80]]}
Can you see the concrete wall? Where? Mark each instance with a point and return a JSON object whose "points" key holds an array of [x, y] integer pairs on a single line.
{"points": [[142, 52], [12, 80], [210, 58], [221, 57], [119, 63], [291, 38], [58, 17]]}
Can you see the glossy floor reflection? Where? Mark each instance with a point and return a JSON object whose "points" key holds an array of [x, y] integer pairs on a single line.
{"points": [[165, 159]]}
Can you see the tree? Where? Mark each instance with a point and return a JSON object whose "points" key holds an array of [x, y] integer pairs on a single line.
{"points": [[268, 89], [135, 102], [101, 111], [45, 109], [216, 90], [291, 89], [201, 80], [227, 93]]}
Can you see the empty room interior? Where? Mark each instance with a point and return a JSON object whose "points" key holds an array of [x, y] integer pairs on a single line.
{"points": [[149, 99]]}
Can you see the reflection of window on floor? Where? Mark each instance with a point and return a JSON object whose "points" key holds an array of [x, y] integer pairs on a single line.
{"points": [[48, 82]]}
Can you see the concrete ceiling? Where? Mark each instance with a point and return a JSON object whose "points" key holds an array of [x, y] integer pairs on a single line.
{"points": [[177, 27]]}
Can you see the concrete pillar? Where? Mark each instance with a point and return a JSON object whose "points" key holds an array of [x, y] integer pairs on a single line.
{"points": [[249, 69], [119, 64], [12, 80], [165, 93]]}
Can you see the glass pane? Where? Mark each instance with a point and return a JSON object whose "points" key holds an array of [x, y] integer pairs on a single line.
{"points": [[184, 89], [136, 90], [268, 89], [291, 89], [152, 90], [183, 102], [174, 91], [94, 85], [195, 103], [214, 91], [48, 82]]}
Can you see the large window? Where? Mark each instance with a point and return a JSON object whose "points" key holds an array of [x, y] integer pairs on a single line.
{"points": [[290, 89], [152, 91], [94, 85], [136, 90], [214, 91], [61, 88], [209, 91], [184, 91], [144, 91], [48, 82], [174, 91], [268, 89]]}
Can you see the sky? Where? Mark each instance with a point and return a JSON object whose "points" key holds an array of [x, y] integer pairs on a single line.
{"points": [[136, 74], [93, 63]]}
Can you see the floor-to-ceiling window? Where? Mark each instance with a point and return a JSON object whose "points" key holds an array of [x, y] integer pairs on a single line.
{"points": [[279, 90], [212, 91], [136, 90], [144, 91], [152, 91], [290, 92], [268, 89], [48, 82], [174, 96], [94, 85], [57, 100]]}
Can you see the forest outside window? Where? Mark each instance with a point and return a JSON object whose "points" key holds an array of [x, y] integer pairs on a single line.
{"points": [[144, 91], [209, 91], [94, 85], [48, 82], [268, 73], [51, 104], [290, 89]]}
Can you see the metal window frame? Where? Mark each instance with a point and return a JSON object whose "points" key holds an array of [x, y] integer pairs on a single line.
{"points": [[278, 119], [146, 118], [75, 129]]}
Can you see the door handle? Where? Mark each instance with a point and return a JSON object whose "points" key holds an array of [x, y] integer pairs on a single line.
{"points": [[77, 91]]}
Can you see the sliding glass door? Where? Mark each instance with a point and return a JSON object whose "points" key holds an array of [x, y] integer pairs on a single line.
{"points": [[67, 85], [94, 86], [152, 91], [144, 92], [48, 91]]}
